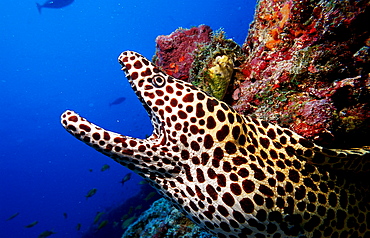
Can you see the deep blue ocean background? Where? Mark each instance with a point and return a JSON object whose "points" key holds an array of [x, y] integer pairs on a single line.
{"points": [[67, 59]]}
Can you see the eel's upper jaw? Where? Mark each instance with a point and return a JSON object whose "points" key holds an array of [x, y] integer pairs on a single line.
{"points": [[158, 130]]}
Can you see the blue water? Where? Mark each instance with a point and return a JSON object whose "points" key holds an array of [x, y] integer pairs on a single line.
{"points": [[67, 59]]}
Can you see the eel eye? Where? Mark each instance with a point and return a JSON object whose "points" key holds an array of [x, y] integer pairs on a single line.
{"points": [[158, 81]]}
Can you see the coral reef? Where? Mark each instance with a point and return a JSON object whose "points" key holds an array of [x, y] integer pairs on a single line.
{"points": [[164, 220], [307, 69], [174, 53], [215, 65], [116, 219], [202, 57]]}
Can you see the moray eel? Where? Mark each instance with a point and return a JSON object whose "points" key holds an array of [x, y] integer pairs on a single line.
{"points": [[234, 175]]}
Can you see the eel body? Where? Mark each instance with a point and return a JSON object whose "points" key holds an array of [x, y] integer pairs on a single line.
{"points": [[234, 175]]}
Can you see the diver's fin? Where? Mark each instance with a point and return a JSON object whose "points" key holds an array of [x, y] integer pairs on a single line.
{"points": [[39, 7]]}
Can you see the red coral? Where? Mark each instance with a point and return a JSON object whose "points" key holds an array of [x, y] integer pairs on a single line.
{"points": [[309, 63], [174, 51]]}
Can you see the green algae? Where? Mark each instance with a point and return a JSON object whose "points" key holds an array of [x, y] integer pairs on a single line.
{"points": [[213, 66]]}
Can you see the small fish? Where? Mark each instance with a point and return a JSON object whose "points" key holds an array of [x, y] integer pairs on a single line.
{"points": [[142, 182], [139, 207], [90, 170], [103, 224], [53, 4], [32, 224], [117, 101], [105, 167], [128, 222], [126, 178], [78, 226], [12, 216], [91, 193], [46, 234], [149, 196], [130, 210], [97, 217], [65, 215], [124, 217]]}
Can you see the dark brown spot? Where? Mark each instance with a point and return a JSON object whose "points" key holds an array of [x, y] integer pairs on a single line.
{"points": [[200, 96], [266, 190], [271, 134], [224, 226], [190, 191], [211, 173], [221, 116], [228, 199], [247, 205], [223, 210], [222, 133], [200, 176], [199, 112], [205, 158], [185, 155], [189, 177], [73, 118], [169, 89], [182, 114], [258, 173], [96, 136], [221, 180], [195, 146], [238, 160], [211, 123], [85, 127], [106, 136], [235, 188], [243, 172], [231, 118], [138, 64], [218, 153], [300, 192], [173, 102], [258, 199], [195, 160], [212, 192], [226, 166], [134, 75], [248, 186], [236, 132], [211, 103], [238, 216], [294, 175], [280, 176], [230, 148], [188, 97], [208, 141], [193, 206], [265, 142], [305, 143], [251, 149]]}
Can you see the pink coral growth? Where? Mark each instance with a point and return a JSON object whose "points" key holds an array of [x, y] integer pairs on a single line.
{"points": [[307, 68], [174, 51]]}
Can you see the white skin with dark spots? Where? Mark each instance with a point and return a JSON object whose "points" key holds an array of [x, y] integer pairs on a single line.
{"points": [[234, 175]]}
